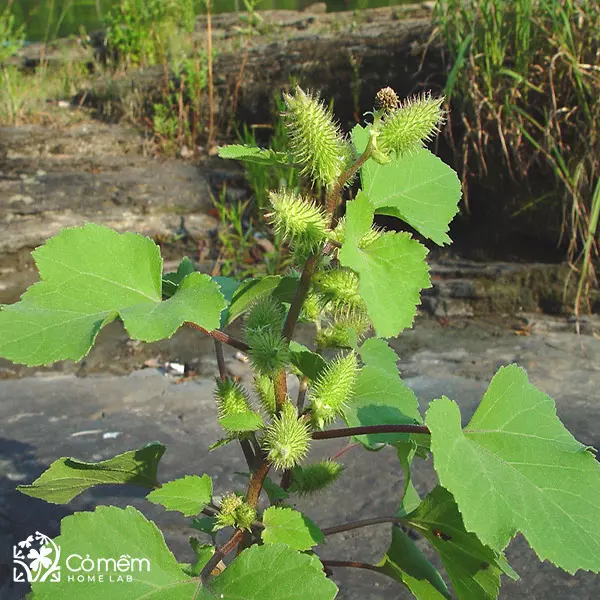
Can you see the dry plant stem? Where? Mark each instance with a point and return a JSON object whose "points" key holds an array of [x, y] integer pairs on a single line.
{"points": [[221, 336], [211, 108], [358, 524], [349, 563], [348, 431]]}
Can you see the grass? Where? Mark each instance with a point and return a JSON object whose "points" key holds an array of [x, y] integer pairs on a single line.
{"points": [[525, 76]]}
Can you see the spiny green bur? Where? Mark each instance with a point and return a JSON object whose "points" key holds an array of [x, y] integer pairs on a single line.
{"points": [[513, 468]]}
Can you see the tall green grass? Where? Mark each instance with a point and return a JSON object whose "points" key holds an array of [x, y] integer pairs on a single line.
{"points": [[525, 75]]}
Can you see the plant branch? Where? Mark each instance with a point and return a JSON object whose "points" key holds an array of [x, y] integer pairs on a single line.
{"points": [[221, 553], [220, 360], [348, 431], [280, 388], [358, 524], [334, 195], [221, 336], [350, 563]]}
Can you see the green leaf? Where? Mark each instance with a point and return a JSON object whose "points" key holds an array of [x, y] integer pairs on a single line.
{"points": [[394, 261], [246, 421], [405, 563], [69, 477], [380, 396], [272, 572], [171, 281], [204, 524], [203, 554], [307, 362], [114, 533], [410, 497], [249, 292], [252, 154], [188, 495], [472, 567], [515, 467], [288, 526], [418, 188], [90, 276], [274, 492]]}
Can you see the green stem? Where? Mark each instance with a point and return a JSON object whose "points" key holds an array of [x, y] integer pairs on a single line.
{"points": [[348, 431]]}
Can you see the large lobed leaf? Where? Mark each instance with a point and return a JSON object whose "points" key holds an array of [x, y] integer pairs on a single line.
{"points": [[418, 188], [391, 270], [91, 275], [515, 467], [66, 478]]}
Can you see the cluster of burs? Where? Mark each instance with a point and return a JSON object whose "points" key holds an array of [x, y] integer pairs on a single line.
{"points": [[333, 304]]}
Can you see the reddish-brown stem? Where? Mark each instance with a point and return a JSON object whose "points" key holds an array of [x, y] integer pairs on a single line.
{"points": [[348, 431], [280, 387], [349, 563], [221, 553], [358, 524], [221, 336]]}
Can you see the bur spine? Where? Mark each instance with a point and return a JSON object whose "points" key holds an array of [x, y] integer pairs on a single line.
{"points": [[231, 398], [314, 478]]}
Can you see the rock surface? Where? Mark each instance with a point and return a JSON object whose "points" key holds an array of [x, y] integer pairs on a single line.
{"points": [[96, 417]]}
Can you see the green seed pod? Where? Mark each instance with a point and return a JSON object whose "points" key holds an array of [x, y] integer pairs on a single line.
{"points": [[269, 352], [287, 438], [315, 139], [266, 394], [298, 220], [311, 308], [338, 290], [231, 398], [314, 478], [416, 121], [333, 389], [264, 314], [245, 515], [339, 234], [345, 332]]}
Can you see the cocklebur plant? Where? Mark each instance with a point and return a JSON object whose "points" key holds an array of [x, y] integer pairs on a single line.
{"points": [[513, 468]]}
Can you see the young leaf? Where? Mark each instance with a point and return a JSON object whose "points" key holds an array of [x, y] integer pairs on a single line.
{"points": [[272, 572], [248, 292], [238, 422], [515, 467], [91, 275], [380, 396], [288, 526], [203, 554], [188, 495], [405, 563], [69, 477], [410, 497], [474, 569], [113, 533], [307, 362], [171, 281], [252, 154], [394, 261], [418, 188]]}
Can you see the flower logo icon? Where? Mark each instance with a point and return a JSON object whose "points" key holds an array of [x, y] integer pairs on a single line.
{"points": [[36, 558]]}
